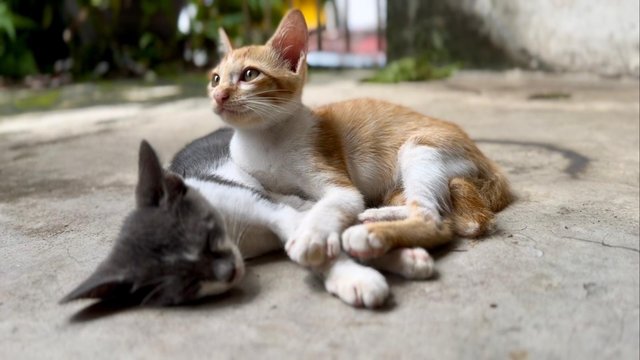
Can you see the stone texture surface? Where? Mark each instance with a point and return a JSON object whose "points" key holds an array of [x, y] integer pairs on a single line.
{"points": [[559, 279], [565, 35]]}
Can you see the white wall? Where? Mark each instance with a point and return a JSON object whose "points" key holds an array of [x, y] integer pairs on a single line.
{"points": [[600, 36]]}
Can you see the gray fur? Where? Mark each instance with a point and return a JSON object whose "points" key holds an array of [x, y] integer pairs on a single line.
{"points": [[173, 241], [198, 158]]}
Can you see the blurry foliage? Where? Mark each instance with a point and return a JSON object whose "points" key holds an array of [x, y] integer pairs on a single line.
{"points": [[445, 34], [430, 40], [103, 38], [15, 56], [413, 69], [433, 64], [120, 91]]}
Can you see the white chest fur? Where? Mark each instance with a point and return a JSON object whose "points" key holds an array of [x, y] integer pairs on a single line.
{"points": [[277, 157]]}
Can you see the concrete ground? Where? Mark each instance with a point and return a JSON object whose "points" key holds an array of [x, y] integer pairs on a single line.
{"points": [[559, 279]]}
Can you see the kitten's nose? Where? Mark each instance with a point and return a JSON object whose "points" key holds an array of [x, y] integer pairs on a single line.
{"points": [[221, 96], [226, 272], [224, 266]]}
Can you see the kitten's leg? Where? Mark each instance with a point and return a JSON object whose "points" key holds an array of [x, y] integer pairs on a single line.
{"points": [[370, 240], [281, 219], [425, 174], [471, 217], [385, 213], [470, 213], [394, 209], [293, 201], [355, 284], [317, 239], [260, 215], [285, 221], [411, 263]]}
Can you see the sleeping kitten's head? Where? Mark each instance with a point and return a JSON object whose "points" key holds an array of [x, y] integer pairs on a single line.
{"points": [[171, 249], [259, 86]]}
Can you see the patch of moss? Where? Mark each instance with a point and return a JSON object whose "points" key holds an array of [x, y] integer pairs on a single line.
{"points": [[102, 92], [413, 69], [550, 96], [40, 100]]}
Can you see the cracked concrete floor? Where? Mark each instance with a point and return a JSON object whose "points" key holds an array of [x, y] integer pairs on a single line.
{"points": [[558, 280]]}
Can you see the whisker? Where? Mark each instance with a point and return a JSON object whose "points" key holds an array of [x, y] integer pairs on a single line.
{"points": [[267, 105], [265, 111], [270, 91], [155, 290]]}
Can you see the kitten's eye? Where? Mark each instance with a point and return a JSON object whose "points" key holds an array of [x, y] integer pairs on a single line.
{"points": [[250, 74], [215, 80]]}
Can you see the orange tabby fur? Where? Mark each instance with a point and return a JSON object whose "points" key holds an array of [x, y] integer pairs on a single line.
{"points": [[350, 149], [374, 128]]}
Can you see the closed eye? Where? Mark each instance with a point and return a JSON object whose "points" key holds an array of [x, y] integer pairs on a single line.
{"points": [[214, 236], [219, 255]]}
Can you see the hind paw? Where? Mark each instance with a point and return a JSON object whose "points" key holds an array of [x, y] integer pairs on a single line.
{"points": [[358, 286], [410, 263], [415, 263], [359, 242]]}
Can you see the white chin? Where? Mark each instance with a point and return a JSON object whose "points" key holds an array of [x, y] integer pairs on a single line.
{"points": [[218, 110], [208, 288]]}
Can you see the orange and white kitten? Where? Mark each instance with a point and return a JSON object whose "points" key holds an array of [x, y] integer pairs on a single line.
{"points": [[427, 176]]}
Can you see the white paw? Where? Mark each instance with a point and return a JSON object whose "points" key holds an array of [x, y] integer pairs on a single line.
{"points": [[414, 263], [387, 213], [313, 247], [357, 285], [357, 241]]}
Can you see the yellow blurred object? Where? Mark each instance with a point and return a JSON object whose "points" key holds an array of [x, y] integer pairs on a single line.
{"points": [[309, 9]]}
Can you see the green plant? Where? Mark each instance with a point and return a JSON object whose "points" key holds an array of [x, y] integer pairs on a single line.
{"points": [[16, 60], [106, 38], [413, 69]]}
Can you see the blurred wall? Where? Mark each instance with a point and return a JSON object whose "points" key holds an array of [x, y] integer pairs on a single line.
{"points": [[566, 35], [575, 35]]}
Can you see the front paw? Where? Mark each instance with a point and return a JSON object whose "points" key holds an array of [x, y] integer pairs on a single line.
{"points": [[414, 263], [358, 241], [357, 285], [313, 247]]}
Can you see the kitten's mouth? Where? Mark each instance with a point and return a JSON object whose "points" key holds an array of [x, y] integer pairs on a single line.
{"points": [[214, 286], [239, 274], [227, 110]]}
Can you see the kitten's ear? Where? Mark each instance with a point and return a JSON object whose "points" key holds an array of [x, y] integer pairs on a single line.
{"points": [[224, 44], [174, 187], [149, 190], [102, 284], [291, 38]]}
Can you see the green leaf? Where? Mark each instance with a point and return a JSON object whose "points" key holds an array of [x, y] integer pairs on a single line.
{"points": [[146, 39], [6, 21], [47, 17]]}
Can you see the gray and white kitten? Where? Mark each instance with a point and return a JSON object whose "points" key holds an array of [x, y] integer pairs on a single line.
{"points": [[175, 247], [195, 222]]}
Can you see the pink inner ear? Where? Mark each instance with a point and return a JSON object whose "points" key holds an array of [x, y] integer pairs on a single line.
{"points": [[290, 48], [290, 40]]}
